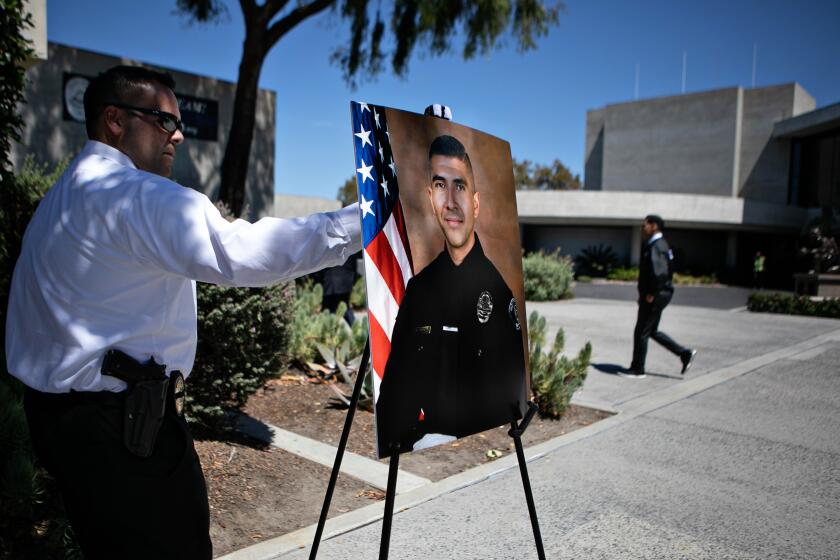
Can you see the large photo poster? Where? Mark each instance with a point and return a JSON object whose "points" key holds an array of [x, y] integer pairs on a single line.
{"points": [[443, 272]]}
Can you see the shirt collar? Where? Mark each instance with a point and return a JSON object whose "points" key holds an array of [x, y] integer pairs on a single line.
{"points": [[96, 148], [655, 237], [474, 253]]}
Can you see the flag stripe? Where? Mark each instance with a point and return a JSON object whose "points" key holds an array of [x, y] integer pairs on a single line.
{"points": [[380, 341], [388, 265], [392, 232], [383, 305]]}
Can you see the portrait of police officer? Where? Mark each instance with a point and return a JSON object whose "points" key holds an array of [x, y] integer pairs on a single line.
{"points": [[457, 361], [101, 325]]}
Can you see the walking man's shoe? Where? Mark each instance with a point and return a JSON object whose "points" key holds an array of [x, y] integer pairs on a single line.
{"points": [[687, 359], [632, 373]]}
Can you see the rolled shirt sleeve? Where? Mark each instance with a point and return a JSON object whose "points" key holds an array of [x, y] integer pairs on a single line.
{"points": [[182, 232]]}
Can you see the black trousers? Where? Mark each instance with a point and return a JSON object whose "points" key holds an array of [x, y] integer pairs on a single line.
{"points": [[121, 505], [647, 326]]}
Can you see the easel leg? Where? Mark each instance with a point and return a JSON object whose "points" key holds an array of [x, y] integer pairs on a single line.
{"points": [[516, 432], [390, 495], [339, 455]]}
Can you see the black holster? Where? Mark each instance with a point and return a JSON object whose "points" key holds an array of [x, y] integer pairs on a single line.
{"points": [[145, 401]]}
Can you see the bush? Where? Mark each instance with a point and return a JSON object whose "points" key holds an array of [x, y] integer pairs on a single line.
{"points": [[688, 279], [554, 377], [312, 326], [624, 274], [547, 276], [584, 279], [597, 260], [243, 340], [358, 296], [794, 305]]}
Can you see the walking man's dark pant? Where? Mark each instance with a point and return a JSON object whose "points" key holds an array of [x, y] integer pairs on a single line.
{"points": [[647, 326], [121, 505]]}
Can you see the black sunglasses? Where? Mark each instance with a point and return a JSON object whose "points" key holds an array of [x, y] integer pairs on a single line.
{"points": [[167, 121]]}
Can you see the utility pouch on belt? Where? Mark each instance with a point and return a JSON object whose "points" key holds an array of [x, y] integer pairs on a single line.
{"points": [[145, 401]]}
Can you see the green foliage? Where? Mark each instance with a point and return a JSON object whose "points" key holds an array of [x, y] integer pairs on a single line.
{"points": [[347, 193], [32, 520], [689, 279], [14, 51], [794, 305], [313, 326], [554, 377], [596, 260], [533, 176], [584, 279], [624, 274], [358, 297], [243, 340], [547, 276]]}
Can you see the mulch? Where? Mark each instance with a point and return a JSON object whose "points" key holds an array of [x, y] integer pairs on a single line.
{"points": [[258, 492]]}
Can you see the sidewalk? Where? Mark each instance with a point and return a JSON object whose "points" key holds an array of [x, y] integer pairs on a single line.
{"points": [[740, 459]]}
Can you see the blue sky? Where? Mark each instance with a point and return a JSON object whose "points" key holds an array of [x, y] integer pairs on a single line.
{"points": [[537, 100]]}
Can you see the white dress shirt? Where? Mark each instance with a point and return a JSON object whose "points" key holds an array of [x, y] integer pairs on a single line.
{"points": [[110, 260]]}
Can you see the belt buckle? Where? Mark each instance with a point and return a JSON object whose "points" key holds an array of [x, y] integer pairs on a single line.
{"points": [[179, 391]]}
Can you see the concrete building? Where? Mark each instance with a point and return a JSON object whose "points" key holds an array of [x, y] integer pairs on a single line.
{"points": [[732, 171], [54, 126]]}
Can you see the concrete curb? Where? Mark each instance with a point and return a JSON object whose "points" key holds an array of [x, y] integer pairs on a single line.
{"points": [[367, 470], [279, 546]]}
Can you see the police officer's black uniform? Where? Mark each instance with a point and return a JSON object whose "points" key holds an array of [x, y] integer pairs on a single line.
{"points": [[655, 278], [457, 363]]}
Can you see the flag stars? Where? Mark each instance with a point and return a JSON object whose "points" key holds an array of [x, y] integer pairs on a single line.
{"points": [[376, 118], [381, 154], [364, 107], [384, 185], [365, 205], [393, 167], [365, 171], [364, 135]]}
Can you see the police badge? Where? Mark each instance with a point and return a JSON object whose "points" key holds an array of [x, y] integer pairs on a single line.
{"points": [[513, 311], [484, 307]]}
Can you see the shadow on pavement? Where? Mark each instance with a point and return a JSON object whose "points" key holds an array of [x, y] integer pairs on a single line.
{"points": [[615, 369]]}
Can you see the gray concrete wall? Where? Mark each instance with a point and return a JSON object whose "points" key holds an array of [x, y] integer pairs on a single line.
{"points": [[594, 151], [711, 143], [681, 144], [765, 162], [51, 138]]}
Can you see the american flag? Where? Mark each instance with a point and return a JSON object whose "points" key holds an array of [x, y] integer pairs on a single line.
{"points": [[387, 253]]}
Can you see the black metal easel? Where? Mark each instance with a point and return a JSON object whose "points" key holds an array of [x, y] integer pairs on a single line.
{"points": [[516, 431]]}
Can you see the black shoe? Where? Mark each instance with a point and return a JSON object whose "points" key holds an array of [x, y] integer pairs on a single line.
{"points": [[687, 360], [631, 373]]}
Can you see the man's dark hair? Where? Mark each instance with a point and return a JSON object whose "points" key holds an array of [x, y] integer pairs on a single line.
{"points": [[119, 84], [449, 146], [656, 219]]}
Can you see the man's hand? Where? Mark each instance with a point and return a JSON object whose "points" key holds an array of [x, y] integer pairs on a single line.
{"points": [[649, 298]]}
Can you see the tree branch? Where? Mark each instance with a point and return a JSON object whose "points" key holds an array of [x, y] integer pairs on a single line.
{"points": [[290, 20], [248, 8], [273, 7]]}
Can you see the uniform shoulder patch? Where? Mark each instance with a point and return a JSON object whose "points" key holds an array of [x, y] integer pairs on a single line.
{"points": [[513, 311], [484, 307]]}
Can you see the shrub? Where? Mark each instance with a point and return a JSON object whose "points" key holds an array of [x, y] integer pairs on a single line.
{"points": [[243, 340], [547, 276], [312, 326], [358, 296], [624, 274], [689, 279], [584, 279], [554, 377], [597, 260], [794, 305]]}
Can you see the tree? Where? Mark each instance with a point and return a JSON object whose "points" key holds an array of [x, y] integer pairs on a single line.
{"points": [[432, 23], [533, 176], [347, 193]]}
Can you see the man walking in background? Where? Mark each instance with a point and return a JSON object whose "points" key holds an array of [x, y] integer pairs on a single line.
{"points": [[655, 291]]}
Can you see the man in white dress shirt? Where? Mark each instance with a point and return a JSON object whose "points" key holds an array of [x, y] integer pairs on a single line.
{"points": [[109, 262]]}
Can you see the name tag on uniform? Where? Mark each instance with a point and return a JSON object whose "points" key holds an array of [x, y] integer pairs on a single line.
{"points": [[427, 329], [450, 329]]}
